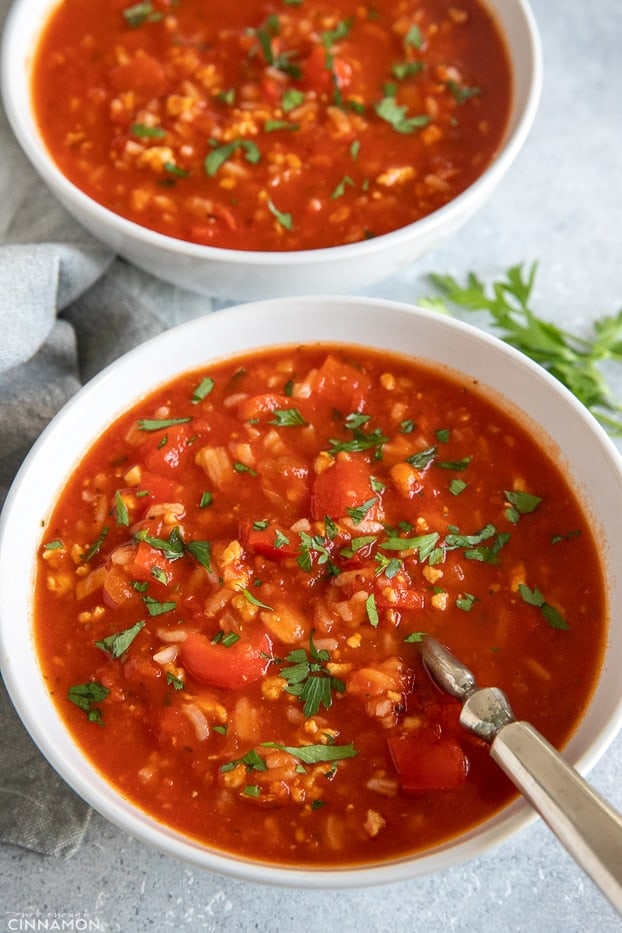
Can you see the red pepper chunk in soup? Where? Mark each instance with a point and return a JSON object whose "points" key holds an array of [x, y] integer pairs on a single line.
{"points": [[234, 583], [261, 126]]}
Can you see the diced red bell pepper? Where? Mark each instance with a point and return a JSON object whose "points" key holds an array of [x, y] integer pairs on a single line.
{"points": [[260, 406], [160, 488], [272, 541], [147, 557], [228, 667], [117, 589], [341, 385], [316, 76], [426, 763], [343, 486], [163, 451]]}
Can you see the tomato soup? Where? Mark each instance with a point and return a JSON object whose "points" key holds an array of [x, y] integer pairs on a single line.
{"points": [[233, 589], [272, 124]]}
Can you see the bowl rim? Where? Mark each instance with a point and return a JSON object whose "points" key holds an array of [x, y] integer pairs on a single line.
{"points": [[195, 334], [14, 59]]}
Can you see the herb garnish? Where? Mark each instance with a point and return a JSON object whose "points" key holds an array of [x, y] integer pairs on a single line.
{"points": [[461, 92], [283, 218], [174, 546], [160, 424], [203, 389], [220, 154], [315, 754], [117, 644], [571, 359], [253, 599], [96, 546], [309, 679], [287, 417], [466, 601], [521, 503], [359, 512], [312, 546], [157, 608], [535, 598], [423, 458], [86, 695], [153, 132], [141, 13], [252, 760], [374, 440], [396, 115], [120, 510]]}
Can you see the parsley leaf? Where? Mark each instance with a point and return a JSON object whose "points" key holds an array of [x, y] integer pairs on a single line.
{"points": [[119, 643], [221, 154], [309, 679], [287, 417], [520, 503], [314, 754], [86, 695], [396, 115], [571, 359], [535, 598]]}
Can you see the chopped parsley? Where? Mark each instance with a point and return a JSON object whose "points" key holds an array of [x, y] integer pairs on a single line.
{"points": [[120, 509], [285, 219], [160, 424], [157, 608], [396, 115], [175, 682], [222, 153], [153, 132], [309, 679], [253, 599], [96, 547], [535, 598], [203, 389], [86, 696], [315, 754], [520, 503], [141, 13], [117, 644], [287, 417]]}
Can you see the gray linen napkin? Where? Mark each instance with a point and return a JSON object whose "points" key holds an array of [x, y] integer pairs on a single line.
{"points": [[66, 311], [68, 307]]}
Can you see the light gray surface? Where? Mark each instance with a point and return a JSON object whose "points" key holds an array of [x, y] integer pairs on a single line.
{"points": [[562, 206]]}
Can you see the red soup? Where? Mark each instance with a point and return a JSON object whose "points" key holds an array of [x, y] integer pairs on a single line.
{"points": [[234, 584], [272, 124]]}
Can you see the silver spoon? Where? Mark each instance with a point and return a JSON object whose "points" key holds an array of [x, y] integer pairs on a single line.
{"points": [[584, 822]]}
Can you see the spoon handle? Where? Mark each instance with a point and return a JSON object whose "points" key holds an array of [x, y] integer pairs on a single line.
{"points": [[586, 824]]}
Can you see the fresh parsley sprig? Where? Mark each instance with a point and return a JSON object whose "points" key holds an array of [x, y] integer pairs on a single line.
{"points": [[572, 359]]}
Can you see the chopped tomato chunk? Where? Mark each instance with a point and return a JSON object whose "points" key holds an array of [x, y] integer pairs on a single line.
{"points": [[227, 667], [319, 77], [166, 448], [269, 541], [425, 763], [345, 485], [146, 559], [343, 386], [259, 406]]}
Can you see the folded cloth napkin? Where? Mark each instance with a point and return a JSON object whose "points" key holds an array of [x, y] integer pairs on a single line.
{"points": [[66, 311]]}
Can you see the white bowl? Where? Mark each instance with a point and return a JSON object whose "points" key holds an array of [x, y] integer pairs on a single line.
{"points": [[247, 275], [592, 462]]}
